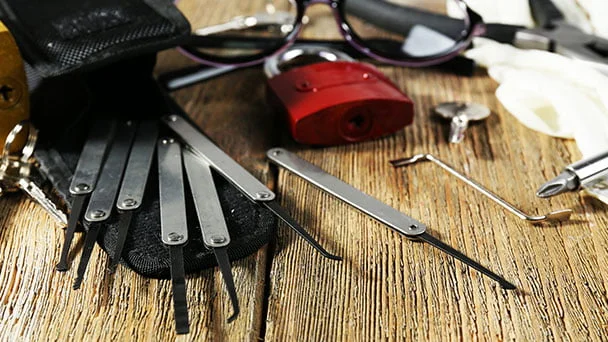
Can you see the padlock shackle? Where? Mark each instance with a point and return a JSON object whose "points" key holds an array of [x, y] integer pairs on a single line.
{"points": [[272, 66]]}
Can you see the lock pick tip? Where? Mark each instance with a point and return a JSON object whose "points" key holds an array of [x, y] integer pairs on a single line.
{"points": [[277, 210], [433, 241]]}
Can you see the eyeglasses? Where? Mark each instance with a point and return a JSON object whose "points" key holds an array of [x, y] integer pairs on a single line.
{"points": [[398, 32]]}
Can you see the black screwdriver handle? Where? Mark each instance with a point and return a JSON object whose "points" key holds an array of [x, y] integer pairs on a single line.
{"points": [[545, 12]]}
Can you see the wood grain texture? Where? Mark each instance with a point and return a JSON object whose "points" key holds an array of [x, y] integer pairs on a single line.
{"points": [[387, 287]]}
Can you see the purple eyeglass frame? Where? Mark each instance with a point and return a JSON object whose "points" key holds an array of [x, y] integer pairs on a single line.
{"points": [[473, 22]]}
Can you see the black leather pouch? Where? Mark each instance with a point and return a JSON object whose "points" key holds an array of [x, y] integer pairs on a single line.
{"points": [[92, 59], [57, 37]]}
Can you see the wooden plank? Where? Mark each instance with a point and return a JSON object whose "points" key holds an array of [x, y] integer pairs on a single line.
{"points": [[387, 287], [390, 288]]}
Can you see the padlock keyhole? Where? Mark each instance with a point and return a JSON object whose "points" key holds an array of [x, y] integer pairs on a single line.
{"points": [[356, 123]]}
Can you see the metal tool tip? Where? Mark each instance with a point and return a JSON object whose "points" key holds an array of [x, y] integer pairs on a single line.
{"points": [[551, 189], [559, 215], [234, 316], [112, 268], [182, 330], [77, 283], [407, 161], [332, 256], [506, 285], [563, 183]]}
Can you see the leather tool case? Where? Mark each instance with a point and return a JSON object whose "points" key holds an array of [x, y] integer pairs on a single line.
{"points": [[92, 59]]}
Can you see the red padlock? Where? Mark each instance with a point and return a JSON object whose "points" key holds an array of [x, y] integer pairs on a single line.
{"points": [[336, 102]]}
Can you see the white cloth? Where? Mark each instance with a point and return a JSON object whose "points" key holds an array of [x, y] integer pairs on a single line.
{"points": [[549, 93], [545, 91]]}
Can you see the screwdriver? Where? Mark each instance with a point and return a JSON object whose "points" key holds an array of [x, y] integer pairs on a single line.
{"points": [[590, 174]]}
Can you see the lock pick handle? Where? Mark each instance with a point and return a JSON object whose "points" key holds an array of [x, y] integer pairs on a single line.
{"points": [[211, 220], [234, 173], [174, 224], [372, 207]]}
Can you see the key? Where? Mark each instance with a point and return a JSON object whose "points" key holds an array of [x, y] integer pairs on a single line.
{"points": [[461, 113], [17, 172], [36, 193], [12, 181]]}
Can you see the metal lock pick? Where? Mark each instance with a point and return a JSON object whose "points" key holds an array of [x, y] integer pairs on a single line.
{"points": [[393, 218], [103, 199], [246, 183], [557, 215], [85, 179], [199, 157]]}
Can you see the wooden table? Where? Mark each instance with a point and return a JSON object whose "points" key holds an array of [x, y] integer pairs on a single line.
{"points": [[387, 287]]}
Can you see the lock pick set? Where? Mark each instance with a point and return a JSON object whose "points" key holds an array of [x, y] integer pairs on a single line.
{"points": [[115, 181]]}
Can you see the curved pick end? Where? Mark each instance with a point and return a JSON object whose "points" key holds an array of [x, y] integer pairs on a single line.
{"points": [[326, 254], [554, 216], [277, 210], [506, 285], [412, 160], [235, 312], [223, 261]]}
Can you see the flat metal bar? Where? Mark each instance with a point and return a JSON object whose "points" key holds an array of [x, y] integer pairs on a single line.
{"points": [[334, 186], [92, 156], [219, 160], [211, 219], [371, 206], [206, 201], [138, 167], [174, 227], [103, 198]]}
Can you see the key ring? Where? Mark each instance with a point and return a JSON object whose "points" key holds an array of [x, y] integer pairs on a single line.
{"points": [[26, 152]]}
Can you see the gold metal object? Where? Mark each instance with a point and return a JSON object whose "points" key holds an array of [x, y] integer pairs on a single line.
{"points": [[14, 97]]}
